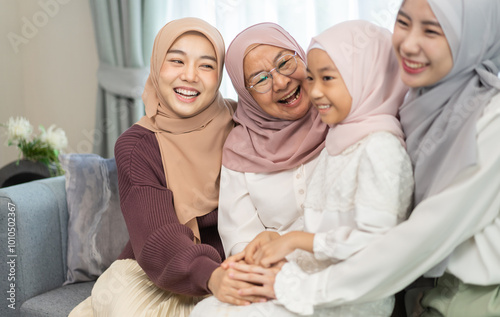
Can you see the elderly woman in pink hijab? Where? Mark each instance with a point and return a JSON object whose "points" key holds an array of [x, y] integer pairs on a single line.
{"points": [[270, 155]]}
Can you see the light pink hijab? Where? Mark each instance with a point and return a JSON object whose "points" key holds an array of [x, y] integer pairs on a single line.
{"points": [[364, 57], [261, 143]]}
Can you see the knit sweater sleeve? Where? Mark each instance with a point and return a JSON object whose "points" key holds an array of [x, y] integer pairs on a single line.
{"points": [[162, 246]]}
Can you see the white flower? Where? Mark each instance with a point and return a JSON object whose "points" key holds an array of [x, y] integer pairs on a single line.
{"points": [[55, 138], [19, 129]]}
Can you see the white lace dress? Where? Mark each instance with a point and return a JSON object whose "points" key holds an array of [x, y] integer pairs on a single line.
{"points": [[352, 199]]}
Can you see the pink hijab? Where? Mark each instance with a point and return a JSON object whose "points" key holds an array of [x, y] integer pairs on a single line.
{"points": [[364, 57], [261, 143]]}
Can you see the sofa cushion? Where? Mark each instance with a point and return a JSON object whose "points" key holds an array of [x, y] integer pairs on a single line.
{"points": [[58, 302], [96, 229]]}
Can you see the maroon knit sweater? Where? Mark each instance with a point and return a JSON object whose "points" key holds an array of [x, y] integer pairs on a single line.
{"points": [[162, 246]]}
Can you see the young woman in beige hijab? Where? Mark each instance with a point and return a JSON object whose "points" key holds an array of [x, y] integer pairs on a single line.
{"points": [[168, 170]]}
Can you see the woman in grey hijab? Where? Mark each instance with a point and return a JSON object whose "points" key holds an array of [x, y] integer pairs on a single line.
{"points": [[449, 54]]}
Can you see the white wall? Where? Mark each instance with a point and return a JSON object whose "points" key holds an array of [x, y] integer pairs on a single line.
{"points": [[48, 64], [11, 85]]}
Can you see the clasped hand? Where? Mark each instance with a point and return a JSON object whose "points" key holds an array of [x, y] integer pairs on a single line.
{"points": [[244, 278]]}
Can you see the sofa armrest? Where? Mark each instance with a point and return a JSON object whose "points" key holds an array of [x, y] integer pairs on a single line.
{"points": [[33, 240]]}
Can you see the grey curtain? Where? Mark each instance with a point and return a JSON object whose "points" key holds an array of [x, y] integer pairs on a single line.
{"points": [[125, 32]]}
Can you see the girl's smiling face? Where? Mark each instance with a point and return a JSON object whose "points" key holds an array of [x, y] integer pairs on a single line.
{"points": [[326, 87], [420, 44]]}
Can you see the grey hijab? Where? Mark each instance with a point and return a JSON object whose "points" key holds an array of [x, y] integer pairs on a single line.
{"points": [[440, 121]]}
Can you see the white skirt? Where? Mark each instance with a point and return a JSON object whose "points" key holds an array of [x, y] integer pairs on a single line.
{"points": [[211, 307], [124, 290]]}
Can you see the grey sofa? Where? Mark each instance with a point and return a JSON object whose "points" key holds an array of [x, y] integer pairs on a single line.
{"points": [[58, 235], [33, 263]]}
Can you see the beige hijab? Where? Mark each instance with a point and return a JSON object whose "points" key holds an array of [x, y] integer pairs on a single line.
{"points": [[191, 148]]}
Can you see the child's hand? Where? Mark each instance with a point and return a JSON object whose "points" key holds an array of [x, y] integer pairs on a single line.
{"points": [[261, 239], [276, 250]]}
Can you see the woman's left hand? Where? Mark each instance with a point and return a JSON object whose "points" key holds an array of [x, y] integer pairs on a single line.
{"points": [[263, 278]]}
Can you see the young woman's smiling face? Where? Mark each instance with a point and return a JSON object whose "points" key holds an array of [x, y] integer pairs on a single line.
{"points": [[286, 99], [326, 87], [421, 46], [189, 79]]}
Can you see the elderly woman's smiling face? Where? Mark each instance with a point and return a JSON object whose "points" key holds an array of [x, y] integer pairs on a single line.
{"points": [[286, 99]]}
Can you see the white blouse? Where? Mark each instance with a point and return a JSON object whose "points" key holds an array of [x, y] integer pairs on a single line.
{"points": [[250, 203], [463, 220], [357, 195]]}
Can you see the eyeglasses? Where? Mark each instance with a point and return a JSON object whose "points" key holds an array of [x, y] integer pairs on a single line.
{"points": [[263, 82]]}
